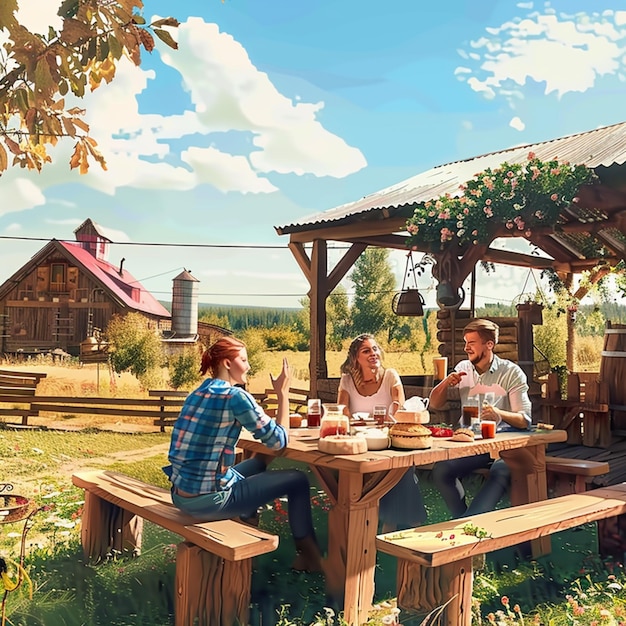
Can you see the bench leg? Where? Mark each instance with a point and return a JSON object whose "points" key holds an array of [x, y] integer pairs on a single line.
{"points": [[612, 538], [424, 589], [209, 590], [107, 529]]}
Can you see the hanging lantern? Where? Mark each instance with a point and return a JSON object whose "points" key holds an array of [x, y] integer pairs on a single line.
{"points": [[409, 301]]}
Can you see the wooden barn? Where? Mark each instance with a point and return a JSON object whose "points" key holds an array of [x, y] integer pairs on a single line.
{"points": [[56, 300]]}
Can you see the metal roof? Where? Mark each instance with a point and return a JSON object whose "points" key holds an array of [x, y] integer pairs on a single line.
{"points": [[601, 147]]}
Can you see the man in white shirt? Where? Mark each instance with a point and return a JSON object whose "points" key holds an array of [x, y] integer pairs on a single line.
{"points": [[511, 412]]}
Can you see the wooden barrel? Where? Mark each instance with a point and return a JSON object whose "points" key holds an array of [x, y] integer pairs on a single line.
{"points": [[613, 371]]}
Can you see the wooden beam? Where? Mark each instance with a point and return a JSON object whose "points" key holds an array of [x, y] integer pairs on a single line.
{"points": [[344, 265], [351, 231], [318, 293], [302, 259]]}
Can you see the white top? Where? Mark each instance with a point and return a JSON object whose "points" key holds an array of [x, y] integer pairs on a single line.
{"points": [[365, 404]]}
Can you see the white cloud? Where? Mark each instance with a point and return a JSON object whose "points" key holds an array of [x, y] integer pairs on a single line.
{"points": [[225, 172], [151, 151], [567, 53], [38, 15], [230, 93], [517, 124]]}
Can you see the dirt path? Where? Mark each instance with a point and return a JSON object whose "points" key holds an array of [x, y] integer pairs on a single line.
{"points": [[127, 456]]}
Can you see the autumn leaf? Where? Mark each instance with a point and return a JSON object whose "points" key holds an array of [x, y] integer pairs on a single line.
{"points": [[166, 38], [4, 160], [7, 14]]}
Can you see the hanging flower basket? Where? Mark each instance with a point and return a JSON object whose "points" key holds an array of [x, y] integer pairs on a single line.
{"points": [[13, 508]]}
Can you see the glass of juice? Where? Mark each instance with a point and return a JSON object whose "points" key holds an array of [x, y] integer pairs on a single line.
{"points": [[470, 413], [379, 414], [314, 413], [488, 429]]}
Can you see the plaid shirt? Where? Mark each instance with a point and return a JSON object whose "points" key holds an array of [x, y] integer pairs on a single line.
{"points": [[202, 448]]}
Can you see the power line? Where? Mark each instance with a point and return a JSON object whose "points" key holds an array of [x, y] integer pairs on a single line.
{"points": [[160, 244]]}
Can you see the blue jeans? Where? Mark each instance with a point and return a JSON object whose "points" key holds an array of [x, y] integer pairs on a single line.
{"points": [[257, 488], [403, 506], [447, 477]]}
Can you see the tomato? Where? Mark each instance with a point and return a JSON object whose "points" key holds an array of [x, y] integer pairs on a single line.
{"points": [[440, 431]]}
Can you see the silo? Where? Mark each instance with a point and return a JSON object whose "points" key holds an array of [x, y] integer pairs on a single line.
{"points": [[185, 305]]}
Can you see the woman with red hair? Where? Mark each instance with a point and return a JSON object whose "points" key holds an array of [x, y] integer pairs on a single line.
{"points": [[205, 481]]}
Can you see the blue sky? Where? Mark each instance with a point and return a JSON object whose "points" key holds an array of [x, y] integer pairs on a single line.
{"points": [[273, 110]]}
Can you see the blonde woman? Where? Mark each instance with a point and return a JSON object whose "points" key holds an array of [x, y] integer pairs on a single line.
{"points": [[364, 384]]}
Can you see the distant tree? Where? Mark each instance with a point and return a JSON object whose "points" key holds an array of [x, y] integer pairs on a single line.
{"points": [[184, 368], [302, 321], [134, 346], [255, 345], [338, 318], [39, 70], [212, 317], [284, 338], [374, 285]]}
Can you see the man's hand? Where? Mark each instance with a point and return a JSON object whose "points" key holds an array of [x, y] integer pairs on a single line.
{"points": [[453, 379]]}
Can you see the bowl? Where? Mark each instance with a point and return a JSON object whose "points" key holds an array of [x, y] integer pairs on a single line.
{"points": [[376, 438]]}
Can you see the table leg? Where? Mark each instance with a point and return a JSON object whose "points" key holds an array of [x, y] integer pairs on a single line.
{"points": [[529, 483], [352, 528]]}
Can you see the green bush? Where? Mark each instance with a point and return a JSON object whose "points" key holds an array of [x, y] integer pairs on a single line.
{"points": [[135, 346], [184, 368]]}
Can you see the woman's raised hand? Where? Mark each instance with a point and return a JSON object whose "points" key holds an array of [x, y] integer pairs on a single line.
{"points": [[282, 382]]}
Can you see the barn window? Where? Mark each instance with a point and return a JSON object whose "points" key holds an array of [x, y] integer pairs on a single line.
{"points": [[57, 277]]}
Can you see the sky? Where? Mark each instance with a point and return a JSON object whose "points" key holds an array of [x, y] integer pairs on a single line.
{"points": [[273, 110]]}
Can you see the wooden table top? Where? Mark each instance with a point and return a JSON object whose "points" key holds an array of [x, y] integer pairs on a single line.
{"points": [[302, 446]]}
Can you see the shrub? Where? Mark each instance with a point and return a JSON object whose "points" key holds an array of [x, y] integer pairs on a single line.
{"points": [[184, 368]]}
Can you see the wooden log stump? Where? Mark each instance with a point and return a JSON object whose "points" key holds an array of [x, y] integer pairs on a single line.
{"points": [[210, 591], [108, 529]]}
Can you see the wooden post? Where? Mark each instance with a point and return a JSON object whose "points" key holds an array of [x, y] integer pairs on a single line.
{"points": [[107, 529], [209, 590]]}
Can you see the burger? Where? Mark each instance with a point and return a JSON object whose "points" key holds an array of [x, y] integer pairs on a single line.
{"points": [[463, 434], [410, 436]]}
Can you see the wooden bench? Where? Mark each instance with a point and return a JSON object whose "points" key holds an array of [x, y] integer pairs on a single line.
{"points": [[16, 389], [435, 561], [213, 563], [567, 475], [584, 413]]}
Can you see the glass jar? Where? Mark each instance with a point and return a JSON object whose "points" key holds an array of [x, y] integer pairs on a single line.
{"points": [[334, 421]]}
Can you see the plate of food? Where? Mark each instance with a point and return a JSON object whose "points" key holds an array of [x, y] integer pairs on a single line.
{"points": [[440, 431], [361, 419]]}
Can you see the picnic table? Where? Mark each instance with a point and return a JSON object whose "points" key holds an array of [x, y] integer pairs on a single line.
{"points": [[355, 484]]}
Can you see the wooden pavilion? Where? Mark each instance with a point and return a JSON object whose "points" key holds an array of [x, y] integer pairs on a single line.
{"points": [[591, 234]]}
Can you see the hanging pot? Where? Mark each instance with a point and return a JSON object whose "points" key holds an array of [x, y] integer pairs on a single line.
{"points": [[447, 296], [408, 303]]}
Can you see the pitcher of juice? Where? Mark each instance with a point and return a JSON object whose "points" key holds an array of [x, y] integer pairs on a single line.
{"points": [[334, 421]]}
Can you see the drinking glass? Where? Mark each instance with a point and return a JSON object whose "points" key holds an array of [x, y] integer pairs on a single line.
{"points": [[314, 413], [379, 414], [470, 417]]}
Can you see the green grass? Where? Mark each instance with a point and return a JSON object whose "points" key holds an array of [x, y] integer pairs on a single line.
{"points": [[138, 592]]}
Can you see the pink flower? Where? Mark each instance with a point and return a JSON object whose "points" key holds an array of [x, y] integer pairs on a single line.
{"points": [[531, 156], [554, 197]]}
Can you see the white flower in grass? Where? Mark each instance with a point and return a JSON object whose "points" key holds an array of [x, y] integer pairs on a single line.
{"points": [[64, 523]]}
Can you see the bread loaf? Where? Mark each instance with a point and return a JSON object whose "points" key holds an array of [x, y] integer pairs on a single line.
{"points": [[342, 444], [410, 436], [463, 434]]}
